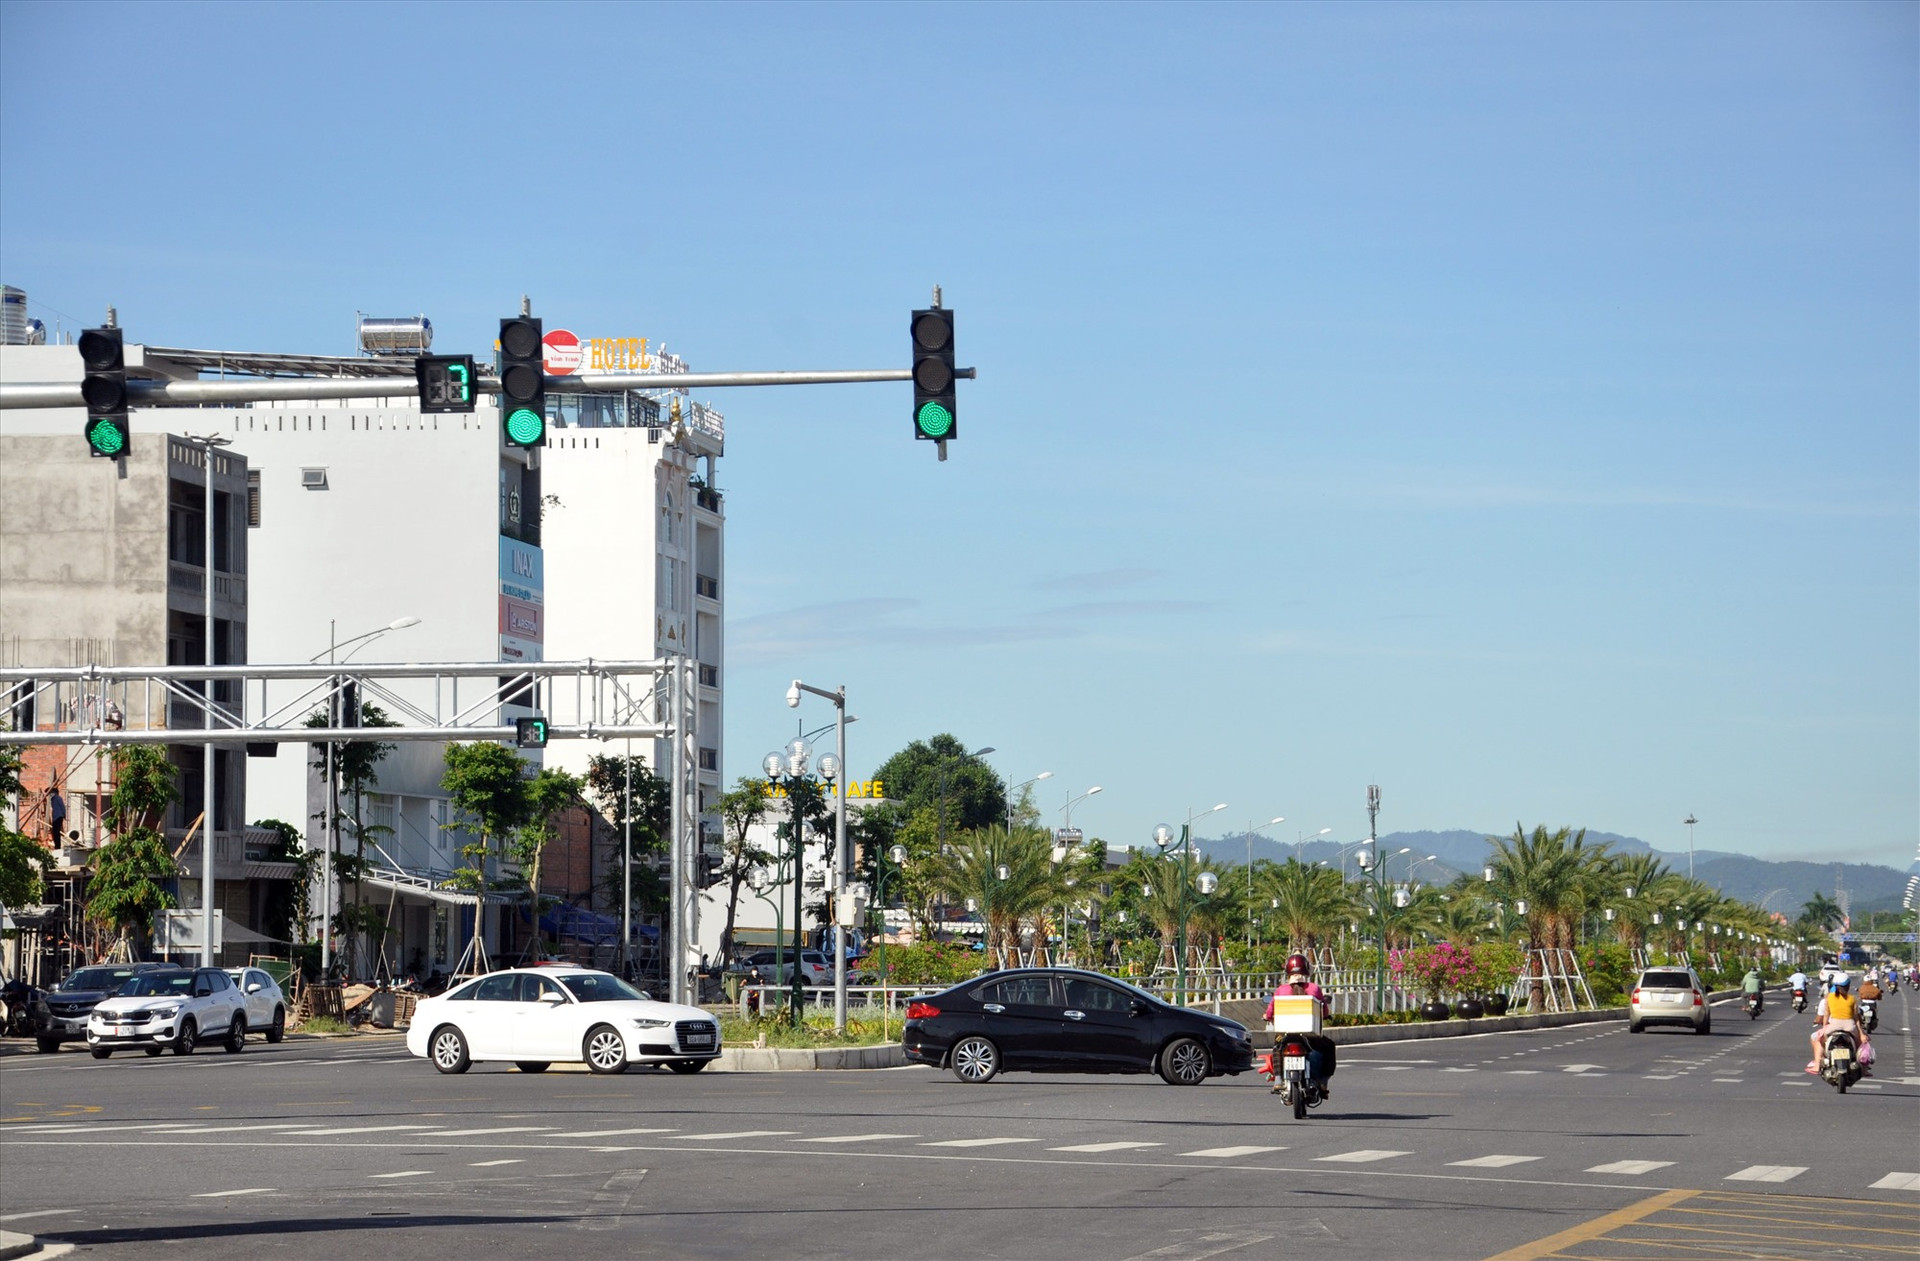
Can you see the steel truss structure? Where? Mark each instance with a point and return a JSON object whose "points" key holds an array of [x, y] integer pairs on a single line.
{"points": [[441, 701]]}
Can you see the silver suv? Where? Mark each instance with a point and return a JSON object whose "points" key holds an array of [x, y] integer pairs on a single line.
{"points": [[776, 967], [176, 1010], [1671, 995]]}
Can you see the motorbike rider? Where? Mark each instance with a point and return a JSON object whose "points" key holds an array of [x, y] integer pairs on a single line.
{"points": [[1297, 979], [1797, 983], [1870, 989], [1835, 1012], [1751, 985]]}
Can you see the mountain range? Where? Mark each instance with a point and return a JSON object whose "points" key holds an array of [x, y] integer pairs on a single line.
{"points": [[1783, 886]]}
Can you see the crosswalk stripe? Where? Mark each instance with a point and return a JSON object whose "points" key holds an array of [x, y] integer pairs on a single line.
{"points": [[1492, 1162], [1767, 1173], [494, 1129], [1102, 1147], [1364, 1155], [710, 1138], [404, 1173], [978, 1142], [488, 1164], [1233, 1151], [1899, 1182], [856, 1138], [350, 1129], [1631, 1166], [221, 1195]]}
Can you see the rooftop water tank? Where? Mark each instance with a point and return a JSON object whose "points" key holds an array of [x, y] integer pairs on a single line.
{"points": [[409, 335], [13, 316]]}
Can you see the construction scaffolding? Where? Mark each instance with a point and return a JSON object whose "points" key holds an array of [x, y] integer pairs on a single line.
{"points": [[1556, 974]]}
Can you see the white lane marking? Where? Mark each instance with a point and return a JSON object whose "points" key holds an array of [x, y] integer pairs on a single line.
{"points": [[1233, 1151], [1631, 1166], [1390, 1068], [1521, 1072], [1663, 1076], [1364, 1155], [227, 1129], [217, 1195], [497, 1129], [404, 1173], [1212, 1244], [710, 1138], [488, 1164], [1581, 1068], [856, 1138], [1102, 1147], [103, 1129], [1767, 1173], [1459, 1070], [39, 1212], [978, 1142], [612, 1133], [1730, 1080], [350, 1129], [1493, 1162], [1892, 1182]]}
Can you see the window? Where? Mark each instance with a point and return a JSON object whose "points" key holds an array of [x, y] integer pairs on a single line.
{"points": [[253, 499], [1093, 996], [532, 988], [1020, 991], [501, 987], [467, 992], [1666, 981]]}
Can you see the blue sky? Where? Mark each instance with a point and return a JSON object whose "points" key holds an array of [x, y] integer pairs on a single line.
{"points": [[1512, 406]]}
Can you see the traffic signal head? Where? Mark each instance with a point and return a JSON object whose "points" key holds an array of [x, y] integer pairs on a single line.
{"points": [[934, 407], [103, 388], [446, 382], [523, 387], [530, 733]]}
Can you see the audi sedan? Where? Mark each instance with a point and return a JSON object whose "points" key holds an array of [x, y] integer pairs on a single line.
{"points": [[1063, 1020], [536, 1017]]}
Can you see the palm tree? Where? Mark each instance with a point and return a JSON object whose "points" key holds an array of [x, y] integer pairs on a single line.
{"points": [[1308, 902], [1558, 875], [972, 867]]}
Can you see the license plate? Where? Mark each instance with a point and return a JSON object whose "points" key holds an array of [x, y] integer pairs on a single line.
{"points": [[698, 1039], [1840, 1053], [1293, 1064], [1670, 998]]}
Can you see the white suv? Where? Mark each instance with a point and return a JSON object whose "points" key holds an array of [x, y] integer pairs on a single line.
{"points": [[174, 1009]]}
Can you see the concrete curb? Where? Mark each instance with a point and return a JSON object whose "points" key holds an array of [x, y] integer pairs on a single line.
{"points": [[14, 1244], [780, 1059]]}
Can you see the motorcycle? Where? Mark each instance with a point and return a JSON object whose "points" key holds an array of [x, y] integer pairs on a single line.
{"points": [[1799, 1000], [1870, 1013], [1840, 1065], [1754, 1004], [17, 1018], [1287, 1067]]}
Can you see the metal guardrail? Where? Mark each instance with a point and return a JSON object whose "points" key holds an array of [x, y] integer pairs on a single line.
{"points": [[893, 999]]}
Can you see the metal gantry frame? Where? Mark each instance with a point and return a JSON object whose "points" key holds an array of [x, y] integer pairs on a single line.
{"points": [[271, 704]]}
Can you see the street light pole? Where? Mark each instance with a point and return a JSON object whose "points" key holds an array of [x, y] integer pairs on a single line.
{"points": [[1250, 831], [1373, 848], [1014, 788], [1689, 821], [1163, 837], [836, 775]]}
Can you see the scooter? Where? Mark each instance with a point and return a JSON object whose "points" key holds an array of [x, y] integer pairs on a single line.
{"points": [[17, 1018], [1870, 1013], [1294, 1083], [1754, 1004], [1799, 1000], [1840, 1065]]}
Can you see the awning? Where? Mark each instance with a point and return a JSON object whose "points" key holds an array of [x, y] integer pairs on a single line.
{"points": [[577, 923], [268, 871]]}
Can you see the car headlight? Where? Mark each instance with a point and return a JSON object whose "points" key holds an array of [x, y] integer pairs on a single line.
{"points": [[647, 1022], [163, 1013]]}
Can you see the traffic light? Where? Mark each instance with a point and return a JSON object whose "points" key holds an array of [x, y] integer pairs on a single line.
{"points": [[708, 873], [933, 393], [523, 385], [530, 733], [446, 382], [104, 390]]}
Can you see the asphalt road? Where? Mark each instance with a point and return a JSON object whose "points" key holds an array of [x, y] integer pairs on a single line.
{"points": [[1577, 1142]]}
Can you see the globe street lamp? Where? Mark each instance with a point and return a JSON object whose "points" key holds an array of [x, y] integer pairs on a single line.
{"points": [[791, 769], [1164, 838], [838, 867]]}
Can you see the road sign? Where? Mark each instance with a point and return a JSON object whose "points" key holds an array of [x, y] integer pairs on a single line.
{"points": [[561, 349]]}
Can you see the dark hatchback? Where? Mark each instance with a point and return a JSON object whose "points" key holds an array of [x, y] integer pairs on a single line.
{"points": [[1063, 1020]]}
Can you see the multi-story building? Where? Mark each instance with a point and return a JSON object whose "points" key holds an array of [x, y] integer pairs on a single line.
{"points": [[381, 533]]}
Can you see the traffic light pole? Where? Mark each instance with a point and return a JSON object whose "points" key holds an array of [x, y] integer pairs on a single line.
{"points": [[199, 393]]}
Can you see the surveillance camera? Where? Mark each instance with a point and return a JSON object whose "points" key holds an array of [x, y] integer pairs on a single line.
{"points": [[793, 695]]}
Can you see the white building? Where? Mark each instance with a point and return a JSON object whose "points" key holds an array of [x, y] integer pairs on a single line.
{"points": [[606, 542]]}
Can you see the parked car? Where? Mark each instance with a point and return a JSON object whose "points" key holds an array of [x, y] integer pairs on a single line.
{"points": [[535, 1017], [265, 1003], [60, 1014], [176, 1009], [1064, 1020], [776, 966], [1669, 996]]}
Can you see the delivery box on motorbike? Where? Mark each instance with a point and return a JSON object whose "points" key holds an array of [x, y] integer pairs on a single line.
{"points": [[1295, 1013]]}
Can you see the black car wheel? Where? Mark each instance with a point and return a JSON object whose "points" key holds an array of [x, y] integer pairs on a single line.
{"points": [[101, 1052], [686, 1066], [154, 1052], [974, 1060], [278, 1029], [605, 1051], [531, 1066], [448, 1050], [1706, 1027], [1634, 1026], [236, 1034], [183, 1044], [47, 1045], [1184, 1063]]}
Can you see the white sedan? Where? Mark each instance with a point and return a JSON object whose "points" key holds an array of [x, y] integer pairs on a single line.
{"points": [[534, 1017]]}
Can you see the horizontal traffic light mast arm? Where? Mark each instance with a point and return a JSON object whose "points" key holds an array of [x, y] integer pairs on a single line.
{"points": [[278, 390], [324, 735]]}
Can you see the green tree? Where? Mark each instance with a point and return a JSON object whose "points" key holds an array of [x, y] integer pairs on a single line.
{"points": [[356, 769], [963, 791], [488, 785], [132, 872], [549, 795], [1558, 875], [649, 807], [289, 903], [1032, 886], [1311, 900], [741, 810], [23, 860]]}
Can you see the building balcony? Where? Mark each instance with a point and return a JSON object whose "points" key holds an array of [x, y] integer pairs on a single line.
{"points": [[706, 585], [709, 675]]}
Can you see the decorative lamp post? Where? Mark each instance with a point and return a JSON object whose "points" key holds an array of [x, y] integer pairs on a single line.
{"points": [[898, 855], [1012, 789], [1250, 831], [791, 769], [1164, 838]]}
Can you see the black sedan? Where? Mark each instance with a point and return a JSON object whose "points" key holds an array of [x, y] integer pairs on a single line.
{"points": [[1062, 1020]]}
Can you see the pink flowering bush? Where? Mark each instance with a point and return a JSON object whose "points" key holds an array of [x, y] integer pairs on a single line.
{"points": [[1438, 970]]}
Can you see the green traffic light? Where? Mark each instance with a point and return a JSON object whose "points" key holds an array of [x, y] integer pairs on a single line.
{"points": [[104, 436], [933, 419], [525, 426]]}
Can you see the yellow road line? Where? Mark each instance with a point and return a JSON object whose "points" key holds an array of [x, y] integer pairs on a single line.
{"points": [[1587, 1232]]}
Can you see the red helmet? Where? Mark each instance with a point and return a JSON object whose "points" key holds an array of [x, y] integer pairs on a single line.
{"points": [[1298, 963]]}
